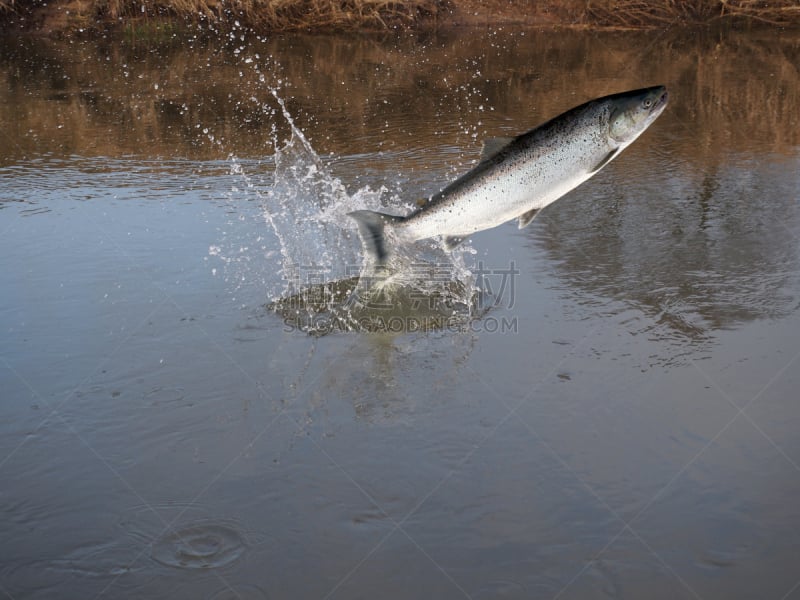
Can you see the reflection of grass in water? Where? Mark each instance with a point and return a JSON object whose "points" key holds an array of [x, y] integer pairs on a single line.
{"points": [[727, 87]]}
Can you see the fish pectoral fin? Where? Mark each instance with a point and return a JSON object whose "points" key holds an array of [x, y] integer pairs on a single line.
{"points": [[526, 217], [605, 160], [493, 146], [451, 241]]}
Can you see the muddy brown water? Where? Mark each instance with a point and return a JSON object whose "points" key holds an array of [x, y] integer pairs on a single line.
{"points": [[618, 420]]}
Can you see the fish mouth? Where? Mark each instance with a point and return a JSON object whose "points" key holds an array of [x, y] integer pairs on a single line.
{"points": [[661, 103]]}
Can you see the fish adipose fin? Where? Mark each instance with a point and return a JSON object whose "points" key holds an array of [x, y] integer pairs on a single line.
{"points": [[526, 217], [371, 226]]}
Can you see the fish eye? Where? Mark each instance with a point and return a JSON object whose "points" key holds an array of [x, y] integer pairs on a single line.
{"points": [[647, 103]]}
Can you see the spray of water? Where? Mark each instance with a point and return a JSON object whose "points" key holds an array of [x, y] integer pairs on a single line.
{"points": [[323, 283]]}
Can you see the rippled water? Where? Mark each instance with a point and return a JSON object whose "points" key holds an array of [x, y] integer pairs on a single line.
{"points": [[613, 412]]}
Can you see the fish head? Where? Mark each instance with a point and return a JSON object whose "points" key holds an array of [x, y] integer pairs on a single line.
{"points": [[633, 112]]}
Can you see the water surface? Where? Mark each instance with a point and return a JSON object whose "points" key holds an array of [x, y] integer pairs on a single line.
{"points": [[616, 419]]}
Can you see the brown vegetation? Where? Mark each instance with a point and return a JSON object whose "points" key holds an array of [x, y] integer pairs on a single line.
{"points": [[261, 15], [283, 15], [658, 13]]}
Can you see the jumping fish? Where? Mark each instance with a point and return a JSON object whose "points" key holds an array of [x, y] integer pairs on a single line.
{"points": [[518, 177]]}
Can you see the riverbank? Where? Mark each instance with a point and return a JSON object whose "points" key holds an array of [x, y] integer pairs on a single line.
{"points": [[64, 17]]}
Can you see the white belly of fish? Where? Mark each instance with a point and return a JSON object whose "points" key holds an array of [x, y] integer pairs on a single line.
{"points": [[490, 201]]}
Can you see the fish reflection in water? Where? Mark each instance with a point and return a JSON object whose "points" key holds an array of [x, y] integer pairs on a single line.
{"points": [[709, 258], [378, 305]]}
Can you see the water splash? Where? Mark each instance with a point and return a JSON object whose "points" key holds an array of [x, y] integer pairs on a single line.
{"points": [[313, 248], [325, 284]]}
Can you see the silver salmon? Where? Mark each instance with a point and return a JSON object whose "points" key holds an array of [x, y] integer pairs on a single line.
{"points": [[519, 176]]}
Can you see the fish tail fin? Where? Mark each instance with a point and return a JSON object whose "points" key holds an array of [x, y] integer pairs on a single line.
{"points": [[371, 227]]}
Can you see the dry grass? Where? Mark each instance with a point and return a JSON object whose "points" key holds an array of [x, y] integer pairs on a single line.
{"points": [[658, 13], [338, 14], [283, 15], [275, 15], [263, 15]]}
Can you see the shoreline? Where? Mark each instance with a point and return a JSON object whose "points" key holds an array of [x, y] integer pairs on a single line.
{"points": [[61, 18]]}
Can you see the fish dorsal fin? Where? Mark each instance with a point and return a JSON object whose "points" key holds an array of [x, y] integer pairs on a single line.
{"points": [[526, 217], [605, 160], [492, 146], [451, 241]]}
